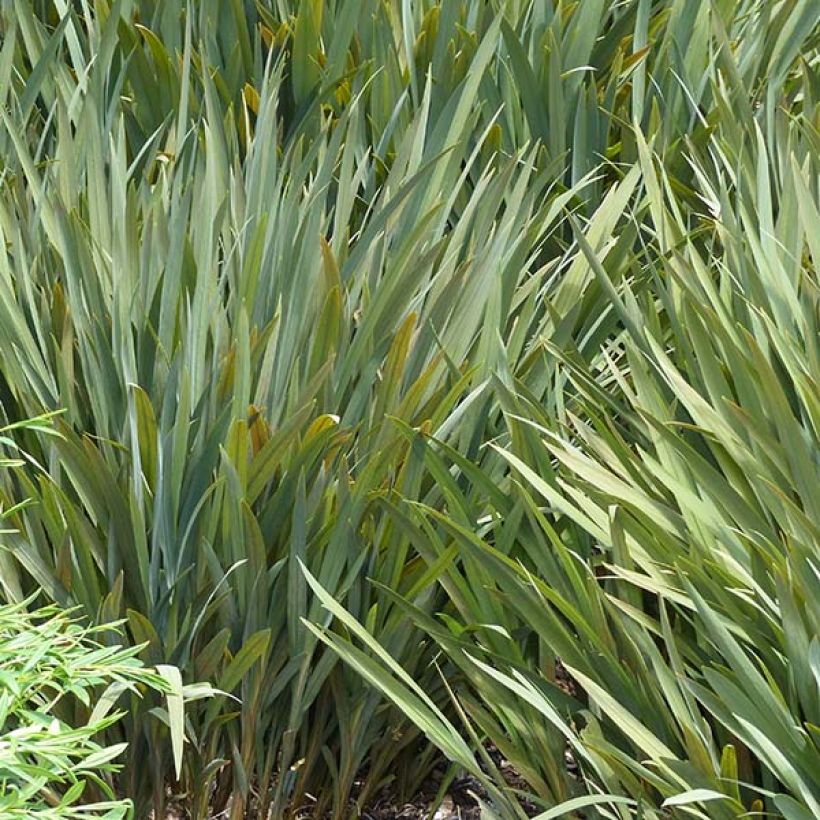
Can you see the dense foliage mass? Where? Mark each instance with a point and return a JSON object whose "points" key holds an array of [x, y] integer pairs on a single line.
{"points": [[472, 343]]}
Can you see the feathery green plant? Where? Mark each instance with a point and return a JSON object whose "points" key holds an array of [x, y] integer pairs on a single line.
{"points": [[49, 768]]}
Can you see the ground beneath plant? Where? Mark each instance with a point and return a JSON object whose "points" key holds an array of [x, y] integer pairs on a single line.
{"points": [[460, 802]]}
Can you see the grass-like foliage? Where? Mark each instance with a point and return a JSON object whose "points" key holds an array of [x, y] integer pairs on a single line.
{"points": [[657, 531], [483, 332]]}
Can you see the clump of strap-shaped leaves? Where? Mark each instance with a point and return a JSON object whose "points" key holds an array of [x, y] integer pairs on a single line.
{"points": [[288, 264], [634, 586]]}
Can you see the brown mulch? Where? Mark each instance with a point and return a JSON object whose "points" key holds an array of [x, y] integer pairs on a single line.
{"points": [[459, 804], [456, 806]]}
